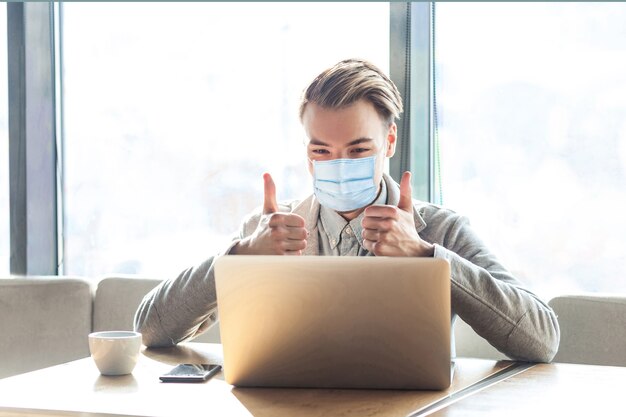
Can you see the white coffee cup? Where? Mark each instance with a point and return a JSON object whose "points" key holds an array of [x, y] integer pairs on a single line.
{"points": [[115, 352]]}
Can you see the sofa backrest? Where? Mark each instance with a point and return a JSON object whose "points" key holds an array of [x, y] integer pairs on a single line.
{"points": [[43, 322], [593, 329], [117, 299]]}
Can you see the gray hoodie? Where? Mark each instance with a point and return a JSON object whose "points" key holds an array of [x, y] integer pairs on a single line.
{"points": [[484, 294]]}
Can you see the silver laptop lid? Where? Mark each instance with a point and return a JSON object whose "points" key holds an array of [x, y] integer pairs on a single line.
{"points": [[342, 322]]}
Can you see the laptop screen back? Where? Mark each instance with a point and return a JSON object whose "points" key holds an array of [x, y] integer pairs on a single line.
{"points": [[342, 322]]}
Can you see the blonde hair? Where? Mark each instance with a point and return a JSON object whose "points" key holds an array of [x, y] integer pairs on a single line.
{"points": [[349, 81]]}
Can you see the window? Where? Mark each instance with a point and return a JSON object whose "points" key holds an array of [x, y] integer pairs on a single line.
{"points": [[172, 112], [4, 148], [532, 111]]}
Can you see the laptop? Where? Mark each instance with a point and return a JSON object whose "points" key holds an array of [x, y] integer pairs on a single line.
{"points": [[335, 321]]}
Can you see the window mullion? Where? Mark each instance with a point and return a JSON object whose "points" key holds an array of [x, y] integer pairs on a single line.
{"points": [[32, 147], [410, 69]]}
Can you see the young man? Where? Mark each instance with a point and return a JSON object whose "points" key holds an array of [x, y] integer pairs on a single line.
{"points": [[348, 113]]}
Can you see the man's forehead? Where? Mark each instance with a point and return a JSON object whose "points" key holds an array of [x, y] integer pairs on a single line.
{"points": [[356, 124]]}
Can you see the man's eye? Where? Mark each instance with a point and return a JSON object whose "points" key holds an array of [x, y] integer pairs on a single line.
{"points": [[320, 151], [360, 150]]}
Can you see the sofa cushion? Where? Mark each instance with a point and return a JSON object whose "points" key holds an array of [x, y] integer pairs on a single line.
{"points": [[43, 322]]}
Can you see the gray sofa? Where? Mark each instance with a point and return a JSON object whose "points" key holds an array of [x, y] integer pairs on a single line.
{"points": [[45, 321]]}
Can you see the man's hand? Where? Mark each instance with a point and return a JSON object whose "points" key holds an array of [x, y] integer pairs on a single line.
{"points": [[277, 233], [390, 230]]}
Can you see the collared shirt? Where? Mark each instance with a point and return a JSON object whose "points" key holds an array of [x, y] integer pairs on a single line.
{"points": [[339, 237]]}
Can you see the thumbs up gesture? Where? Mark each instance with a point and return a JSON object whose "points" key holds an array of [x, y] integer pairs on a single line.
{"points": [[277, 233], [390, 230]]}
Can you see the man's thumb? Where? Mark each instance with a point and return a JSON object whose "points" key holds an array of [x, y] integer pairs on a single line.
{"points": [[406, 199], [269, 195]]}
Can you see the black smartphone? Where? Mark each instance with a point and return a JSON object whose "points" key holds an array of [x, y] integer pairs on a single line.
{"points": [[188, 372]]}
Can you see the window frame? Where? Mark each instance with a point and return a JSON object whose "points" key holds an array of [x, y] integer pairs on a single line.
{"points": [[411, 70], [36, 154], [32, 139]]}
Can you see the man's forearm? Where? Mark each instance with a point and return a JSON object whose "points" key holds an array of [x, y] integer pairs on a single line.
{"points": [[509, 317], [180, 308]]}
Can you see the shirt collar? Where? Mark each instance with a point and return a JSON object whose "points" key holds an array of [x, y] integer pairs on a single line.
{"points": [[333, 224]]}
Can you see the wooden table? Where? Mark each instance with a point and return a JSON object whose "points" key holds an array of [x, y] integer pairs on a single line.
{"points": [[549, 390], [77, 389]]}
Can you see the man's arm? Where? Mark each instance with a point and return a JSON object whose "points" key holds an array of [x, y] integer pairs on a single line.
{"points": [[484, 293], [180, 308], [487, 296]]}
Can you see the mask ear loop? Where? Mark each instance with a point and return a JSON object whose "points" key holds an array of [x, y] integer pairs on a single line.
{"points": [[384, 151]]}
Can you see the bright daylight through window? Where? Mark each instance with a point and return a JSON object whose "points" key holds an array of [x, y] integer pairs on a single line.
{"points": [[174, 110], [4, 147], [532, 101]]}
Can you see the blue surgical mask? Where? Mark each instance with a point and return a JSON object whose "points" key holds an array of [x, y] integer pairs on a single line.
{"points": [[345, 184]]}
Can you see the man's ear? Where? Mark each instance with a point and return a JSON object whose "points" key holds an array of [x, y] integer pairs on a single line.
{"points": [[392, 135]]}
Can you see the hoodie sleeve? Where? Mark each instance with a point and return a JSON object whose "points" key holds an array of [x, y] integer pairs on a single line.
{"points": [[488, 297]]}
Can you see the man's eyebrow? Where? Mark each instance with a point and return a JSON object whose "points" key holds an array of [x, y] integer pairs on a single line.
{"points": [[318, 142], [360, 140]]}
